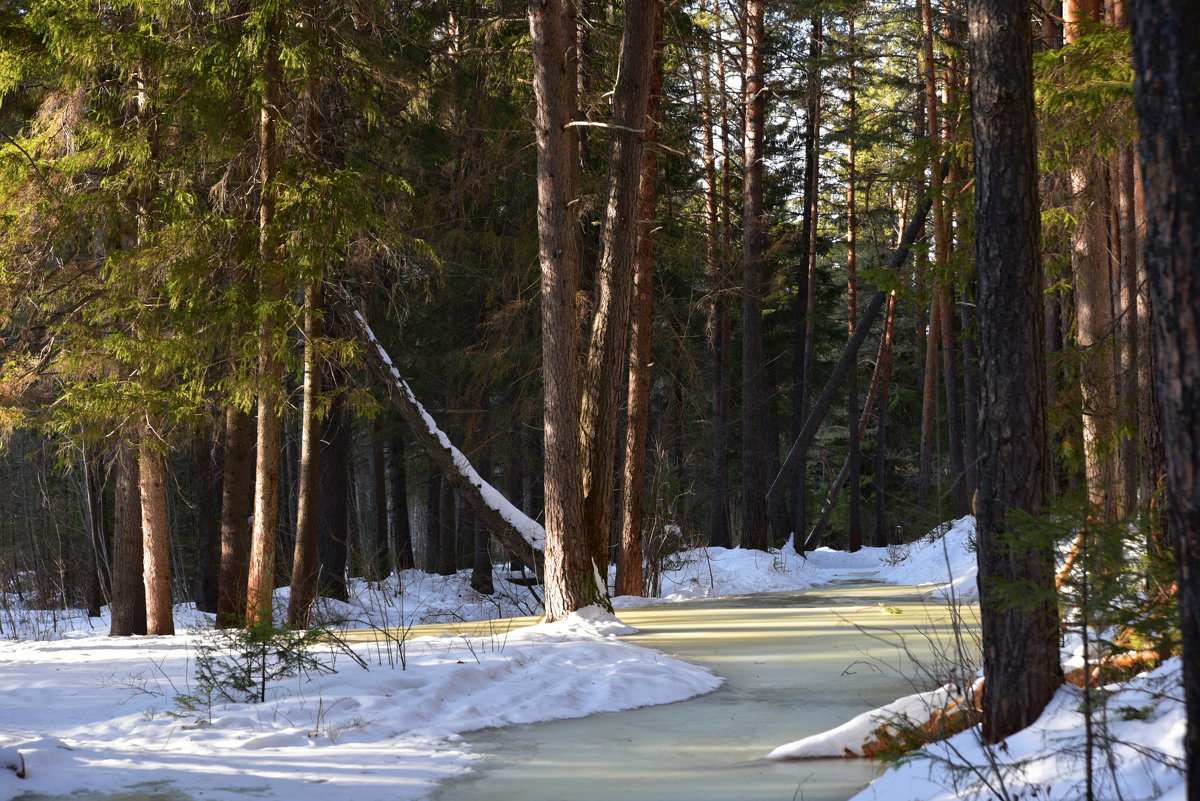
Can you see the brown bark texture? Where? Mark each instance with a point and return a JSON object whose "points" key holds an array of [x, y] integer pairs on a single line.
{"points": [[156, 547], [567, 570], [128, 603], [607, 347], [1166, 54], [718, 314], [754, 387], [1020, 641], [260, 586], [629, 554], [237, 504], [304, 560]]}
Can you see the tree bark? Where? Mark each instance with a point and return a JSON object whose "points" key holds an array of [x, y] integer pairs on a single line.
{"points": [[156, 543], [237, 504], [128, 603], [208, 537], [853, 521], [261, 582], [717, 254], [304, 559], [1166, 54], [754, 386], [1020, 642], [567, 568], [607, 346], [99, 586], [629, 556], [333, 507], [402, 545]]}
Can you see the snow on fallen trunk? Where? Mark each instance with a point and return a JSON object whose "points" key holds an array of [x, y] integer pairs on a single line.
{"points": [[858, 736], [521, 535]]}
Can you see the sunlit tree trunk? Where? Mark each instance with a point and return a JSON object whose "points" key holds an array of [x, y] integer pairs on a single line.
{"points": [[261, 583], [128, 603], [567, 570], [156, 547]]}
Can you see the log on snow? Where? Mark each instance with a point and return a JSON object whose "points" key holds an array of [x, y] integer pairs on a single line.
{"points": [[523, 537]]}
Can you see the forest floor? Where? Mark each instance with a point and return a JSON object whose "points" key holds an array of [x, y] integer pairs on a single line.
{"points": [[83, 715]]}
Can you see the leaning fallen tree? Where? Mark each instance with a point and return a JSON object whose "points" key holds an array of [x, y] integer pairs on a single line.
{"points": [[817, 414], [523, 536]]}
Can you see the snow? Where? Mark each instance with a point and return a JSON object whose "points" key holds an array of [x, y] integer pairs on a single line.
{"points": [[82, 710]]}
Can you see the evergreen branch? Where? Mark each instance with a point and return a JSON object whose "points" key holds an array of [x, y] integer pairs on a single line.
{"points": [[33, 164]]}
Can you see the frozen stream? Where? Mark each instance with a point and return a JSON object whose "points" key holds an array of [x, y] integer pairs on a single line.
{"points": [[794, 664]]}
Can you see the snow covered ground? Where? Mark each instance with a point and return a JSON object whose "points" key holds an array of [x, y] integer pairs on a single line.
{"points": [[80, 710]]}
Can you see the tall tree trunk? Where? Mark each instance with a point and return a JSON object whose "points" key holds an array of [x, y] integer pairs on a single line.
{"points": [[333, 506], [1020, 641], [754, 381], [881, 531], [567, 568], [929, 403], [1093, 302], [261, 582], [853, 522], [237, 504], [804, 345], [607, 347], [304, 560], [1152, 457], [156, 543], [717, 197], [308, 494], [99, 585], [1166, 55], [128, 590], [629, 559]]}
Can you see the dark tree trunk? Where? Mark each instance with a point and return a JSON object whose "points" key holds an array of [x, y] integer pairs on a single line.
{"points": [[237, 504], [128, 591], [1166, 55], [333, 504], [1020, 642], [481, 563], [208, 535], [433, 521], [754, 380], [99, 586], [629, 554], [719, 534], [402, 545], [447, 532]]}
